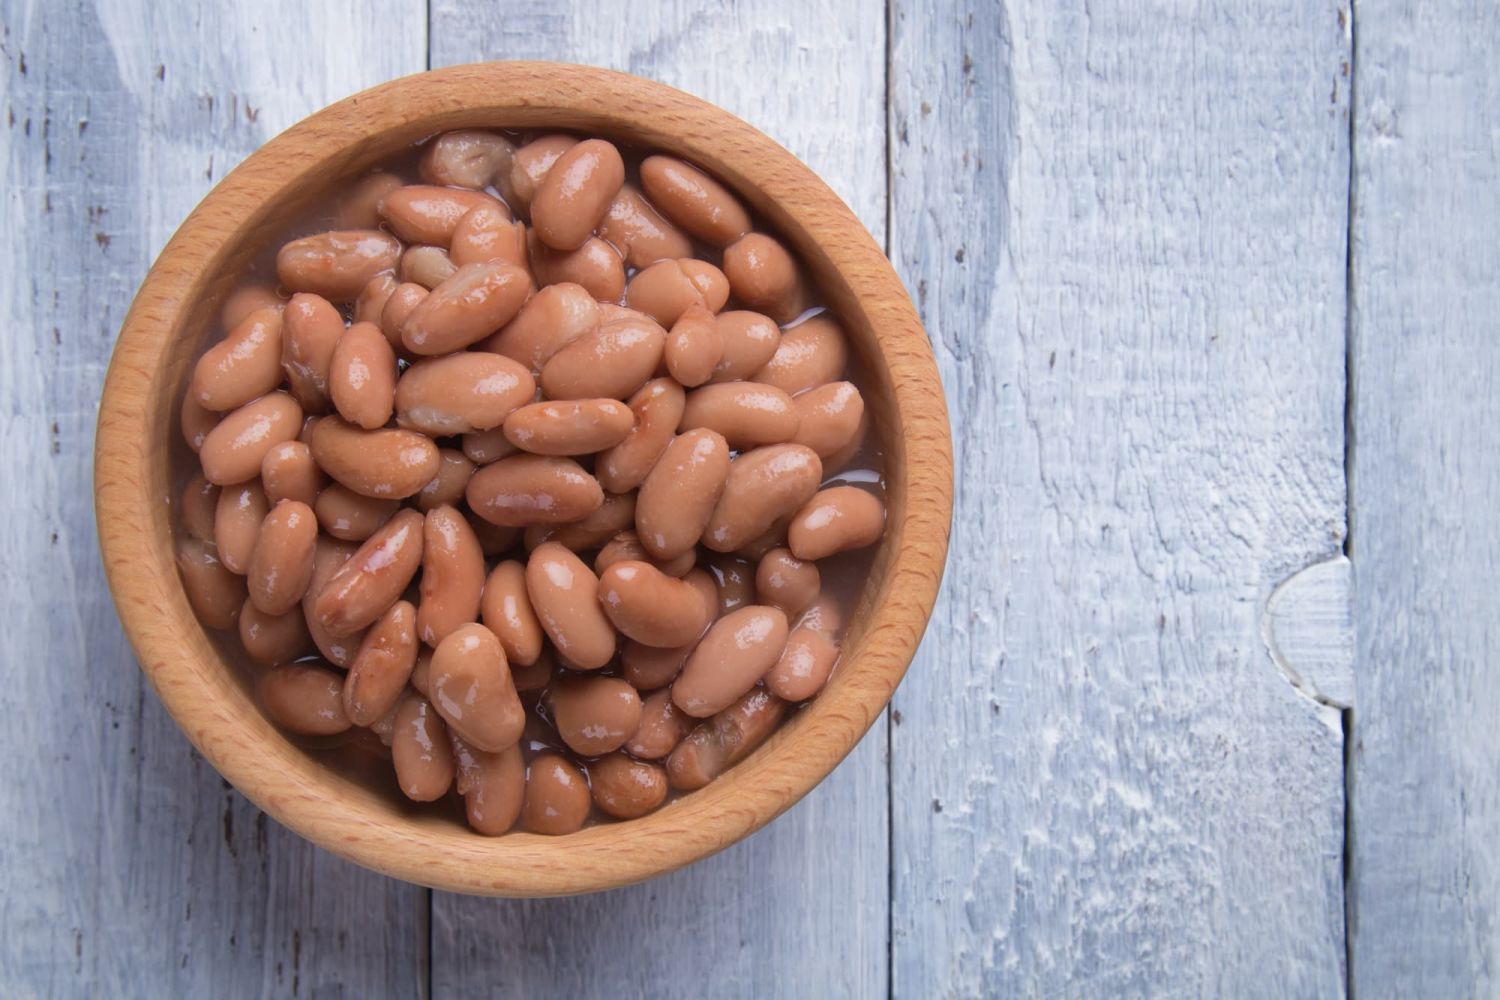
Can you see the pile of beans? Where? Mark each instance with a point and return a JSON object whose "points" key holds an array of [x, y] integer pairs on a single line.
{"points": [[525, 466]]}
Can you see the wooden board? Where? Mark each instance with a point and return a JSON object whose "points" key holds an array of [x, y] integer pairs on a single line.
{"points": [[127, 867], [1425, 474], [801, 907], [1125, 227]]}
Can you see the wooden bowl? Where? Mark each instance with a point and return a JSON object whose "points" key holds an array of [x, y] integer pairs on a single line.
{"points": [[205, 694]]}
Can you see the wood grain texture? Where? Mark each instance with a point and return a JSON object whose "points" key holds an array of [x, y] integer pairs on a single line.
{"points": [[127, 867], [1125, 227], [1425, 539], [799, 908]]}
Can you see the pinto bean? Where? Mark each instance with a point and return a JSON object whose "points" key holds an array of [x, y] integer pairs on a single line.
{"points": [[454, 470], [246, 299], [493, 785], [423, 213], [836, 520], [577, 191], [812, 353], [626, 788], [595, 715], [372, 580], [763, 485], [215, 593], [270, 640], [596, 266], [550, 320], [362, 377], [427, 266], [386, 464], [657, 408], [695, 347], [382, 665], [467, 307], [569, 427], [663, 725], [470, 158], [626, 545], [639, 232], [242, 366], [350, 517], [531, 164], [750, 341], [360, 207], [533, 489], [198, 506], [829, 417], [693, 200], [336, 264], [373, 297], [613, 361], [421, 751], [311, 328], [557, 796], [237, 521], [564, 593], [666, 289], [452, 575], [506, 611], [233, 451], [764, 276], [473, 690], [725, 740], [804, 665], [488, 233], [196, 421], [281, 563], [747, 414], [680, 493], [288, 472], [786, 582], [650, 607], [304, 698], [460, 393], [737, 651]]}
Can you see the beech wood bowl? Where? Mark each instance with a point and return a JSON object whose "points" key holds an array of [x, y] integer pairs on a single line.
{"points": [[178, 302]]}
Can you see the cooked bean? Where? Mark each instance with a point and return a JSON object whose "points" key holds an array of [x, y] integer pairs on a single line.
{"points": [[572, 199], [360, 207], [273, 639], [596, 266], [304, 699], [196, 421], [734, 579], [786, 582], [763, 276], [533, 489], [693, 200], [242, 366], [614, 361], [616, 513], [824, 616], [475, 302], [386, 464], [639, 232], [452, 575], [372, 580], [198, 506], [398, 308], [493, 785], [763, 485], [288, 472], [246, 299], [362, 377], [737, 651], [550, 320], [531, 164], [424, 213], [382, 665], [750, 341], [841, 459], [679, 495], [536, 676], [215, 593], [694, 346], [569, 427], [595, 715], [468, 158], [373, 297], [829, 417], [663, 725], [329, 556], [836, 520], [485, 447], [626, 788], [233, 451], [348, 516], [487, 232], [810, 354], [747, 414], [336, 264], [650, 607], [565, 595], [804, 665], [421, 751], [462, 392], [494, 539], [472, 689], [237, 520], [427, 266], [657, 410], [725, 740], [647, 668], [557, 797], [506, 611], [281, 563], [666, 289], [421, 672], [626, 545], [454, 470], [311, 328], [773, 537]]}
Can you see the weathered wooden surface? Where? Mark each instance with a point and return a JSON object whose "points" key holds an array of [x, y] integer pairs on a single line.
{"points": [[1425, 477]]}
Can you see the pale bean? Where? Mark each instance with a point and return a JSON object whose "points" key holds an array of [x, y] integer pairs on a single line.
{"points": [[737, 651], [533, 489], [650, 607], [398, 308], [486, 447], [288, 472], [626, 545], [468, 158], [747, 414], [639, 232], [647, 668], [487, 232], [763, 485], [362, 377], [596, 266], [270, 640], [734, 579], [373, 579], [812, 353], [425, 213], [626, 788], [565, 595], [750, 341], [311, 328], [246, 299], [475, 302], [237, 519], [382, 665], [472, 689], [421, 751], [373, 297], [572, 199], [233, 451], [557, 796], [215, 593], [197, 507], [493, 785], [360, 207], [663, 725], [841, 459], [281, 563], [693, 200], [773, 537], [386, 464], [725, 740], [350, 517], [657, 410], [614, 361], [804, 665], [829, 417], [336, 264], [550, 320], [666, 289], [452, 575], [460, 393], [329, 556], [427, 266], [569, 427], [454, 470], [616, 513], [763, 275], [836, 520], [506, 610], [595, 715], [242, 366], [786, 582], [196, 421], [678, 496], [695, 347], [530, 165], [305, 699]]}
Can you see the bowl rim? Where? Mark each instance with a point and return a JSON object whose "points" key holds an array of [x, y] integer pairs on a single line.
{"points": [[188, 674]]}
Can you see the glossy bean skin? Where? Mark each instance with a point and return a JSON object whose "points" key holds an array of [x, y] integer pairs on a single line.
{"points": [[304, 699], [485, 447], [215, 593], [421, 673], [475, 302], [506, 611], [595, 715], [452, 575], [398, 308], [281, 563], [557, 796], [576, 192], [666, 289], [773, 537], [616, 513], [198, 506], [634, 228], [245, 300], [382, 665], [596, 266], [626, 545], [472, 688], [336, 264], [233, 451], [468, 158], [387, 464], [626, 788], [360, 207], [270, 640], [613, 361], [487, 232], [494, 539], [695, 347], [725, 740], [533, 489], [657, 411], [425, 213], [373, 579], [421, 751], [373, 297], [786, 582], [647, 668], [454, 470], [734, 582], [534, 677], [763, 485], [746, 414], [650, 607], [329, 556], [311, 328], [196, 421], [829, 417], [237, 521], [531, 164], [244, 365], [362, 377], [288, 472], [679, 495], [804, 665], [569, 427], [565, 595], [736, 653], [350, 517], [764, 276], [836, 520], [427, 266], [663, 725], [693, 200], [493, 785], [461, 393], [812, 353], [549, 321], [750, 340]]}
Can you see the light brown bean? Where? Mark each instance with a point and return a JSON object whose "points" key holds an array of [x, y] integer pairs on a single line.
{"points": [[246, 299], [197, 507], [493, 785], [373, 579], [666, 289], [596, 266], [454, 470], [836, 520], [626, 788], [485, 447], [616, 513], [614, 360], [841, 459], [647, 668], [475, 302], [565, 595], [425, 265], [425, 213], [196, 421], [695, 347], [725, 740], [773, 537], [421, 672], [288, 472], [549, 321], [487, 232], [473, 690], [536, 676], [657, 410], [336, 264], [460, 393], [626, 545], [693, 200], [311, 328], [215, 593], [329, 556], [531, 164], [387, 464], [237, 519], [595, 715], [569, 426], [747, 414], [786, 582], [804, 665], [421, 751], [638, 231], [763, 275], [382, 665], [281, 563], [233, 451], [734, 580], [750, 341], [270, 640], [359, 208], [304, 698], [812, 353], [557, 796], [370, 304], [763, 485], [680, 493], [362, 377], [242, 366], [576, 192], [829, 417], [350, 517], [468, 158], [494, 539], [506, 611], [533, 489], [650, 607], [452, 575], [736, 653], [663, 725], [398, 308]]}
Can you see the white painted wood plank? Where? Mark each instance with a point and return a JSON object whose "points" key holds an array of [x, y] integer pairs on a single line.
{"points": [[127, 868], [800, 908], [1126, 227], [1426, 474]]}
